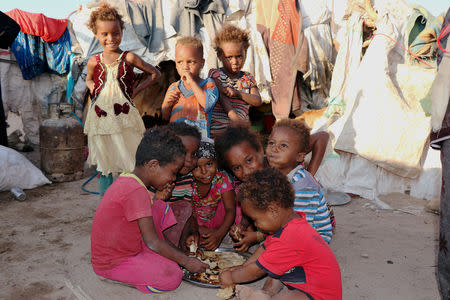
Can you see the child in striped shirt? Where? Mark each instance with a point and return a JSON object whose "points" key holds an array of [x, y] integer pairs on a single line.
{"points": [[286, 150], [238, 89]]}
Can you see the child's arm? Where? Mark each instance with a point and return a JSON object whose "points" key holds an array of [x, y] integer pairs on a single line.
{"points": [[171, 98], [92, 62], [317, 144], [189, 233], [139, 63], [224, 100], [249, 271], [161, 247], [253, 98], [199, 93], [212, 240]]}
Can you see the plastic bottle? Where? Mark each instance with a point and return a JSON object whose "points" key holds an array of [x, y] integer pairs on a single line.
{"points": [[18, 194]]}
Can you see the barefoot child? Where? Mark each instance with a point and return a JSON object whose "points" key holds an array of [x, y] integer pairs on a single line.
{"points": [[127, 241], [293, 254], [213, 198], [285, 151], [113, 124], [238, 89], [192, 98]]}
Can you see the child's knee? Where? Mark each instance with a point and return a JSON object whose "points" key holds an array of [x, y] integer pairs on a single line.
{"points": [[172, 276]]}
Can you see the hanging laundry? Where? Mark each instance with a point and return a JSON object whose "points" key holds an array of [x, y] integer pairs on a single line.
{"points": [[49, 29], [34, 56], [280, 24]]}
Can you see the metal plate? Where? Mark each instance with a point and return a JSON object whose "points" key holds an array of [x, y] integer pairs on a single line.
{"points": [[187, 274]]}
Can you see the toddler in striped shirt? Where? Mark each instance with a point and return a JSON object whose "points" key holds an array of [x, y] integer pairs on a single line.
{"points": [[286, 149]]}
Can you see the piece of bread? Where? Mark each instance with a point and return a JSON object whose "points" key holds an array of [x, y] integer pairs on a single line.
{"points": [[226, 293]]}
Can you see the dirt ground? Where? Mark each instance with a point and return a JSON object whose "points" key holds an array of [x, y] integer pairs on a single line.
{"points": [[45, 249]]}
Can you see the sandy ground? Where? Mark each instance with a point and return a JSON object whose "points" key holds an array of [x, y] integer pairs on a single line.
{"points": [[45, 249]]}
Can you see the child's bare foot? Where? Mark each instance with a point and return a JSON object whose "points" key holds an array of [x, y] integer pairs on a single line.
{"points": [[246, 293]]}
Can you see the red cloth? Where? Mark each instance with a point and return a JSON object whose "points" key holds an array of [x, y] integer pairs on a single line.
{"points": [[299, 257], [49, 29], [115, 232]]}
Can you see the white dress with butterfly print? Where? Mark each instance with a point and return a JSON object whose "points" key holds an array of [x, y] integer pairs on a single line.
{"points": [[113, 125]]}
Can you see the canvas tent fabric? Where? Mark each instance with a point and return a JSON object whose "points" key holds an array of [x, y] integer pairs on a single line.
{"points": [[381, 108], [49, 29], [317, 32]]}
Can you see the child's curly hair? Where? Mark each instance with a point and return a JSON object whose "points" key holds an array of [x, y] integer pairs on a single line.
{"points": [[104, 13], [159, 143], [232, 136], [267, 186], [299, 128], [231, 33], [190, 41]]}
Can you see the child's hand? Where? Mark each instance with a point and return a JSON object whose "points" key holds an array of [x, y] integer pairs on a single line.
{"points": [[249, 238], [194, 265], [171, 98], [236, 120], [165, 193], [225, 278], [231, 93], [193, 238], [235, 231], [187, 77], [211, 240]]}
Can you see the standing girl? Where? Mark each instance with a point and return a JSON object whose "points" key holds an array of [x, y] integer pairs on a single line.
{"points": [[238, 89], [113, 124], [213, 198]]}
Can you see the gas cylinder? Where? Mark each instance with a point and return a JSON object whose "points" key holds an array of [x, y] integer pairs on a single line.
{"points": [[61, 144]]}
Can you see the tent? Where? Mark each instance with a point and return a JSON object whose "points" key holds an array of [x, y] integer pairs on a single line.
{"points": [[379, 141]]}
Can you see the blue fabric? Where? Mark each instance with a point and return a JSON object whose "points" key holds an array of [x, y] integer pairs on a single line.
{"points": [[70, 82], [34, 56]]}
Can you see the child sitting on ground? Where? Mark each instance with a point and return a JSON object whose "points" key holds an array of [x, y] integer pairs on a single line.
{"points": [[241, 151], [213, 198], [293, 254], [192, 98], [179, 195], [238, 89], [127, 241], [285, 151]]}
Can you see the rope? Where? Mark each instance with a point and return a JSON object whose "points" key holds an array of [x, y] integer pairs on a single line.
{"points": [[444, 32], [86, 182], [421, 60]]}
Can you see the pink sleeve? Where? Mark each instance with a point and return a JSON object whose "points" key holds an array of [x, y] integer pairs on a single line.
{"points": [[138, 204], [225, 184]]}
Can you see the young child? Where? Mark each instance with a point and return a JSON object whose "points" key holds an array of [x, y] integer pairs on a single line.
{"points": [[213, 198], [238, 89], [293, 254], [192, 98], [179, 195], [127, 241], [285, 151], [113, 124], [242, 152]]}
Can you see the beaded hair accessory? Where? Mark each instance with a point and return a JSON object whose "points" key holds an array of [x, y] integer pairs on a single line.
{"points": [[206, 149]]}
